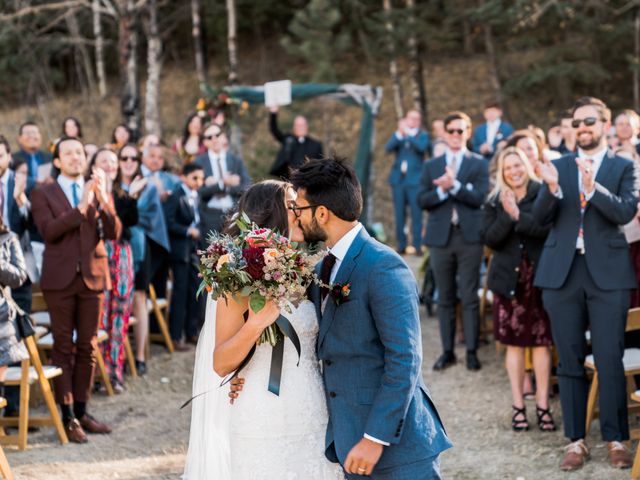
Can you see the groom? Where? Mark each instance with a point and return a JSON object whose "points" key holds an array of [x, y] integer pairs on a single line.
{"points": [[382, 422]]}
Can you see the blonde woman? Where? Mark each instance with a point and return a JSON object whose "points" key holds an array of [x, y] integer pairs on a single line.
{"points": [[519, 318]]}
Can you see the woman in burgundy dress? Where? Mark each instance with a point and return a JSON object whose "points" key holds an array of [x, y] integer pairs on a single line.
{"points": [[518, 316]]}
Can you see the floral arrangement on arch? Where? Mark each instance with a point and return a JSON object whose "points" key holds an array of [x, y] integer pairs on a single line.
{"points": [[260, 264]]}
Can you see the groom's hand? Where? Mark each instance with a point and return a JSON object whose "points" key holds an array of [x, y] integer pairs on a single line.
{"points": [[235, 387], [363, 457]]}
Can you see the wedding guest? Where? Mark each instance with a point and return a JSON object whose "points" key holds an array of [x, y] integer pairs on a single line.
{"points": [[74, 216], [554, 135], [297, 146], [90, 149], [190, 145], [149, 241], [627, 128], [530, 144], [120, 136], [487, 136], [409, 143], [519, 319], [568, 143], [117, 300], [150, 139], [438, 145], [30, 142], [226, 177], [612, 139], [183, 220], [585, 274], [71, 127], [153, 168], [453, 191]]}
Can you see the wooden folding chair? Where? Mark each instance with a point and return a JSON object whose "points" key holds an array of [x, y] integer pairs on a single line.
{"points": [[160, 306], [631, 361], [128, 351], [30, 372], [635, 435], [45, 344], [5, 469]]}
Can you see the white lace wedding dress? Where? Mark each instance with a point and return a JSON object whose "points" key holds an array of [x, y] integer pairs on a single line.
{"points": [[269, 436]]}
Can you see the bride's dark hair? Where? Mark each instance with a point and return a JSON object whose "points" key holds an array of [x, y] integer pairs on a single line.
{"points": [[264, 204]]}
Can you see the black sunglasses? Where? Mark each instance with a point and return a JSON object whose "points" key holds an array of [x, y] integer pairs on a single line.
{"points": [[129, 158], [211, 137], [451, 131], [297, 211], [589, 121]]}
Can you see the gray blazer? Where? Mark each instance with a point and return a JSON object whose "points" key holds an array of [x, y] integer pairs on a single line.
{"points": [[371, 350]]}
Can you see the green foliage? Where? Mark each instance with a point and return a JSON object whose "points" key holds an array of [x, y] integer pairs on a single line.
{"points": [[314, 36]]}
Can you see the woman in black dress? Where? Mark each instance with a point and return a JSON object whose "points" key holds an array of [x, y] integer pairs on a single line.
{"points": [[519, 318]]}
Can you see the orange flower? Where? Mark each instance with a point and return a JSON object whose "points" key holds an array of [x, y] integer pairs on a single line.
{"points": [[209, 288]]}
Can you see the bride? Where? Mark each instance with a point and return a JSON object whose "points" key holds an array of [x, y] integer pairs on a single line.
{"points": [[262, 436]]}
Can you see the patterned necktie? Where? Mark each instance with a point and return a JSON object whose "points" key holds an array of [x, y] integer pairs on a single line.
{"points": [[583, 207], [454, 166], [74, 194], [325, 273]]}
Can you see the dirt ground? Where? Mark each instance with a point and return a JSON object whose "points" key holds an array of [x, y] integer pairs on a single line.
{"points": [[150, 432]]}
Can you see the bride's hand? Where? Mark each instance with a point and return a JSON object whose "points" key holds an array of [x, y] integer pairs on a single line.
{"points": [[265, 317], [235, 387]]}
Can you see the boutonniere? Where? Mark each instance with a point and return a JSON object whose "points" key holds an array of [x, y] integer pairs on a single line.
{"points": [[340, 293]]}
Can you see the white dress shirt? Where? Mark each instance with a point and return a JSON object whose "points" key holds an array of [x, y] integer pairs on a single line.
{"points": [[67, 187], [225, 202], [339, 250], [492, 130]]}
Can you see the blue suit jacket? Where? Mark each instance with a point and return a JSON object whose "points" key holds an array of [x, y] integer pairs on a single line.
{"points": [[151, 216], [473, 174], [480, 136], [613, 204], [411, 150], [371, 350], [42, 157]]}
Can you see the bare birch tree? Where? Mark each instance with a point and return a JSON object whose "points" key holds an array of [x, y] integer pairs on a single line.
{"points": [[393, 66], [99, 48], [196, 32], [231, 42], [152, 122], [416, 73], [127, 53]]}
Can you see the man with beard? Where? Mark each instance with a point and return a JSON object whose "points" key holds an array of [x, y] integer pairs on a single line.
{"points": [[586, 274]]}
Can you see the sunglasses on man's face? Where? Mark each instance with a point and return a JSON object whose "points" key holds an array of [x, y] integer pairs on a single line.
{"points": [[457, 131], [212, 136], [588, 122]]}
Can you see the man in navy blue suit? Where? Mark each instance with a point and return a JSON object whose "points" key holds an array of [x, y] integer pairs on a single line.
{"points": [[409, 142], [453, 190], [585, 273], [30, 141], [487, 136]]}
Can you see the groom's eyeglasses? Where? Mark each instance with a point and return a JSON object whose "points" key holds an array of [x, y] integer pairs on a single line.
{"points": [[297, 211]]}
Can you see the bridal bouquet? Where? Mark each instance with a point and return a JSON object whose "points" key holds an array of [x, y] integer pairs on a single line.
{"points": [[259, 264]]}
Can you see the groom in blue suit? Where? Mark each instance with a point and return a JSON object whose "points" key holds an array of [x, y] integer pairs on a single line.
{"points": [[382, 421]]}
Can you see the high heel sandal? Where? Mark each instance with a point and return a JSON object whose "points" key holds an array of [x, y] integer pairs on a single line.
{"points": [[519, 425], [545, 425]]}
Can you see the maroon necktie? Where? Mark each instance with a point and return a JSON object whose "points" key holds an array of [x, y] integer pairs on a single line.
{"points": [[325, 273]]}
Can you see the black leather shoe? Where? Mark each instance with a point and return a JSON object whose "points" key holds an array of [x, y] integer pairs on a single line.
{"points": [[446, 360], [473, 363]]}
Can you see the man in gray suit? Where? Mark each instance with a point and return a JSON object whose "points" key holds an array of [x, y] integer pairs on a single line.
{"points": [[453, 191], [382, 422], [226, 177], [586, 273]]}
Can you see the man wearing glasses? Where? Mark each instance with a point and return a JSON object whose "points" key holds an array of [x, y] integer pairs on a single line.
{"points": [[453, 190], [226, 177], [586, 273]]}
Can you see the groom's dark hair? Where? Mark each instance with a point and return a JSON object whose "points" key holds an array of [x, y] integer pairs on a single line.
{"points": [[331, 182]]}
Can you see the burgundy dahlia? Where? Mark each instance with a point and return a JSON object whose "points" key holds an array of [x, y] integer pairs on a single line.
{"points": [[255, 262]]}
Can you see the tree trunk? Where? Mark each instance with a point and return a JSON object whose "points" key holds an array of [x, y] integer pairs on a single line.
{"points": [[83, 59], [393, 67], [201, 69], [636, 62], [127, 50], [154, 69], [231, 42], [467, 41], [418, 93], [97, 33], [493, 66]]}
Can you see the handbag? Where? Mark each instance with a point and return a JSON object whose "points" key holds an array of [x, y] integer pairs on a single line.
{"points": [[23, 322]]}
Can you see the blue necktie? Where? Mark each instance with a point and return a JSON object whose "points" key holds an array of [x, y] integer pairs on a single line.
{"points": [[33, 163], [74, 194]]}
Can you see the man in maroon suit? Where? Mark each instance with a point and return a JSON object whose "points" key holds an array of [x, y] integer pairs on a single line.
{"points": [[73, 217]]}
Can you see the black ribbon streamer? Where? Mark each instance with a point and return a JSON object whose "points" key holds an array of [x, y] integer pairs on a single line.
{"points": [[277, 357]]}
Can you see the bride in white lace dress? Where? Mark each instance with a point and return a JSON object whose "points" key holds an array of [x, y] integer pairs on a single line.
{"points": [[262, 436]]}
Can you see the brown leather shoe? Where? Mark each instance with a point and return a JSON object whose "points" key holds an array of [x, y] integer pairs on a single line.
{"points": [[619, 455], [577, 454], [180, 346], [91, 425], [74, 431]]}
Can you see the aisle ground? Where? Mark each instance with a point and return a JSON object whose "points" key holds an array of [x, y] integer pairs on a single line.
{"points": [[150, 432]]}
